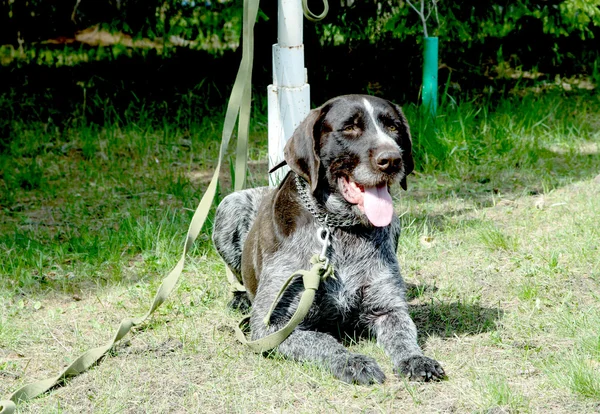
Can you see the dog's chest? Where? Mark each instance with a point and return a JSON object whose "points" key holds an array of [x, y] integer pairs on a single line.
{"points": [[357, 261]]}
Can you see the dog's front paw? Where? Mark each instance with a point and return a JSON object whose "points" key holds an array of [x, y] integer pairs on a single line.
{"points": [[421, 368], [357, 369]]}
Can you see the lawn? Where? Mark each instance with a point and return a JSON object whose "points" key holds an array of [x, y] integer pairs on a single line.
{"points": [[500, 248]]}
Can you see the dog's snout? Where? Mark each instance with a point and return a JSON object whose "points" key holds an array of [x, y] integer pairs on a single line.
{"points": [[388, 161]]}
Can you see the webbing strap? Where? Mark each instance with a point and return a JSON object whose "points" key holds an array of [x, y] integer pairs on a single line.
{"points": [[237, 107], [234, 283], [311, 279], [239, 104], [315, 17]]}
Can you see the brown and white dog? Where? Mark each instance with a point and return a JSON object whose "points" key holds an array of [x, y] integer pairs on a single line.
{"points": [[343, 158]]}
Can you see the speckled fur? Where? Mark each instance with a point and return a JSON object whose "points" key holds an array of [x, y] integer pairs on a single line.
{"points": [[264, 235], [232, 223]]}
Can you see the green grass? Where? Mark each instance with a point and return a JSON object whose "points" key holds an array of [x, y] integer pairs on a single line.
{"points": [[495, 239], [499, 396], [500, 248], [82, 200], [509, 144]]}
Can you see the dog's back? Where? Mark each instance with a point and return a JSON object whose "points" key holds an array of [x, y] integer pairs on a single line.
{"points": [[233, 219]]}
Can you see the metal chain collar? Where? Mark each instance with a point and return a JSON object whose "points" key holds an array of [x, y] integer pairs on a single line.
{"points": [[324, 218]]}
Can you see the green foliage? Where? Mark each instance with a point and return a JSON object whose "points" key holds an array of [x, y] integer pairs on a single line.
{"points": [[465, 21], [576, 15], [214, 27], [482, 44], [217, 25], [482, 134]]}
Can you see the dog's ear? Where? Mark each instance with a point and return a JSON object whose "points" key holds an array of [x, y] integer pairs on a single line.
{"points": [[405, 146], [301, 151]]}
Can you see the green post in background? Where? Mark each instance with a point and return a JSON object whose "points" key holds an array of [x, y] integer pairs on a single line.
{"points": [[430, 74]]}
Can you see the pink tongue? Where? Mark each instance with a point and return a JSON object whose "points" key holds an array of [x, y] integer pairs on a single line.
{"points": [[378, 205]]}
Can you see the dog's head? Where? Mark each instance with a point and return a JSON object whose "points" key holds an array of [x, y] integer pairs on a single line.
{"points": [[354, 146]]}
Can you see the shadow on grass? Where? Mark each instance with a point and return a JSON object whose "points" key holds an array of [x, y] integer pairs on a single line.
{"points": [[486, 182], [484, 186], [445, 320], [433, 318]]}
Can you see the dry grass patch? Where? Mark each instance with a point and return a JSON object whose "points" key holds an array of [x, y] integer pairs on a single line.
{"points": [[500, 248], [514, 323]]}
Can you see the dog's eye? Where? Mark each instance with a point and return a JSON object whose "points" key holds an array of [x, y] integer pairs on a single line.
{"points": [[349, 128], [392, 128]]}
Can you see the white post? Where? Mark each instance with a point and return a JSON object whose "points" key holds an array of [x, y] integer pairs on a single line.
{"points": [[289, 95]]}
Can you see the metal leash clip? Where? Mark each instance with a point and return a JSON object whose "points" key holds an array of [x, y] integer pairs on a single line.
{"points": [[323, 234]]}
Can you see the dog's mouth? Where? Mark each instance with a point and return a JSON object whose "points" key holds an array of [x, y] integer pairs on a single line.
{"points": [[374, 201]]}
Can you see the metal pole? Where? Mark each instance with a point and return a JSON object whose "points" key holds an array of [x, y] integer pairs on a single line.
{"points": [[289, 95]]}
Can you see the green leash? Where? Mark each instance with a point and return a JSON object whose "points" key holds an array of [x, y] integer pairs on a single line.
{"points": [[320, 270], [239, 105], [315, 17], [238, 108]]}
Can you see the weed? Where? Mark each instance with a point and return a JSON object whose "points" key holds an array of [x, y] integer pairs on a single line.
{"points": [[498, 395], [576, 373], [528, 290], [494, 239]]}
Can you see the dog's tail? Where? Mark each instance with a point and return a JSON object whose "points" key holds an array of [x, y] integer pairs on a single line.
{"points": [[233, 219]]}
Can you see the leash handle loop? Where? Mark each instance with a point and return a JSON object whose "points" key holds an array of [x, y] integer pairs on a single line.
{"points": [[267, 319], [311, 279], [315, 17]]}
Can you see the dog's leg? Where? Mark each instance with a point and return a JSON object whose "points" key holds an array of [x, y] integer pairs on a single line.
{"points": [[233, 219], [308, 345], [388, 319], [397, 334], [322, 348]]}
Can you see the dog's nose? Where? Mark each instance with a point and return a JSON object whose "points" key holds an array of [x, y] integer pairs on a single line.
{"points": [[389, 161]]}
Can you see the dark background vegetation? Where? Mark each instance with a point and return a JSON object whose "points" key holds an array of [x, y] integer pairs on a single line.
{"points": [[187, 53]]}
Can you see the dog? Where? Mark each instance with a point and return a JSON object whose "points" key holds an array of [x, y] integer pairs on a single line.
{"points": [[343, 159]]}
